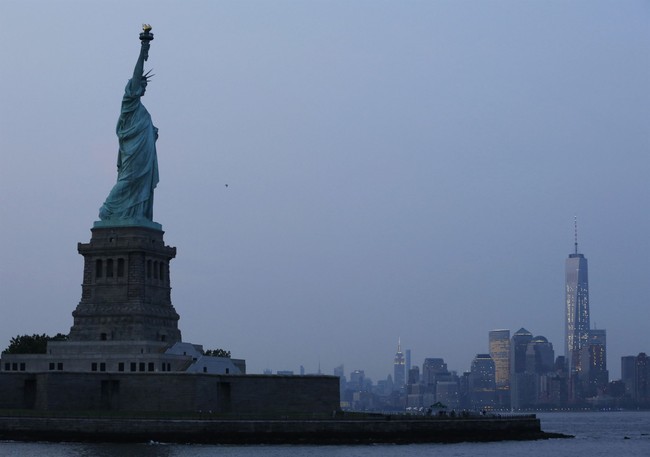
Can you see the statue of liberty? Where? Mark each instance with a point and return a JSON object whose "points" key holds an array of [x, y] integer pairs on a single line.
{"points": [[130, 202]]}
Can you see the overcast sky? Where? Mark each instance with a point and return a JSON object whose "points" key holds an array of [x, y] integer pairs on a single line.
{"points": [[394, 169]]}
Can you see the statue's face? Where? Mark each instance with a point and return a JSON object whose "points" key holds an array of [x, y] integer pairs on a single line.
{"points": [[144, 85]]}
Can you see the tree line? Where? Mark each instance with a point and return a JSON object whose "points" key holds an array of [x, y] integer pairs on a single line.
{"points": [[37, 344]]}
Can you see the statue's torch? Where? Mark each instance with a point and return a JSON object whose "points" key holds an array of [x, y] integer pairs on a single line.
{"points": [[146, 34]]}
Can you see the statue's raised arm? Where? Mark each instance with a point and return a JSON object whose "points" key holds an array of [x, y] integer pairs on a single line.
{"points": [[130, 202], [139, 78]]}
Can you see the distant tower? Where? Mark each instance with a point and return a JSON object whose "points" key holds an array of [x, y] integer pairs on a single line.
{"points": [[519, 380], [433, 369], [357, 379], [577, 308], [482, 386], [594, 363], [340, 373], [499, 341], [518, 347], [540, 356], [635, 373], [399, 368]]}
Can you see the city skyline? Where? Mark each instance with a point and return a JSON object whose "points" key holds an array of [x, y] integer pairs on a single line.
{"points": [[335, 175], [578, 338]]}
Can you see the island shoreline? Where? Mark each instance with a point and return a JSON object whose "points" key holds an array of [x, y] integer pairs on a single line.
{"points": [[382, 429]]}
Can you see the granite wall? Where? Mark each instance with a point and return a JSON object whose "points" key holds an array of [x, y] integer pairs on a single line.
{"points": [[170, 392]]}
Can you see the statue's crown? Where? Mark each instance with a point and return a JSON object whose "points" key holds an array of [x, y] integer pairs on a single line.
{"points": [[148, 76]]}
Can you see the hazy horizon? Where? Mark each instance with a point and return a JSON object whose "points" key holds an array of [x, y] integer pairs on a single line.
{"points": [[338, 174]]}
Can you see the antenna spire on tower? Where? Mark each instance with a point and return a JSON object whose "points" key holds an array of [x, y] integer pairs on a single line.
{"points": [[575, 228]]}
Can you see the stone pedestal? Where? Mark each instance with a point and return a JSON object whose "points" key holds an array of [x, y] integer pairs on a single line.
{"points": [[126, 291]]}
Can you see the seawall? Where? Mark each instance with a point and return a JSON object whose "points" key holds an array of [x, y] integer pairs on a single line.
{"points": [[383, 429]]}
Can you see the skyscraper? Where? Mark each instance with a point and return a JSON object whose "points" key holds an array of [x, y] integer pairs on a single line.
{"points": [[628, 374], [399, 368], [518, 347], [540, 356], [520, 381], [577, 309], [433, 368], [539, 384], [635, 373], [500, 353], [482, 387], [594, 363]]}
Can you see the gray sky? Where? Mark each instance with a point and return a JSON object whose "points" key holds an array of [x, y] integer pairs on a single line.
{"points": [[405, 168]]}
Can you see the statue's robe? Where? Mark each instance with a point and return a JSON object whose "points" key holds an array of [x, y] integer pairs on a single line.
{"points": [[131, 199]]}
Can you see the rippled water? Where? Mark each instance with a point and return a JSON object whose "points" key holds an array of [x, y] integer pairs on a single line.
{"points": [[625, 434]]}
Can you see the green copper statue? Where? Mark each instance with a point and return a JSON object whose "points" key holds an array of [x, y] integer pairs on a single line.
{"points": [[130, 202]]}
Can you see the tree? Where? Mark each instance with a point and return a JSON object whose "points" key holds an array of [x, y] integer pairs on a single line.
{"points": [[217, 353], [32, 344]]}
